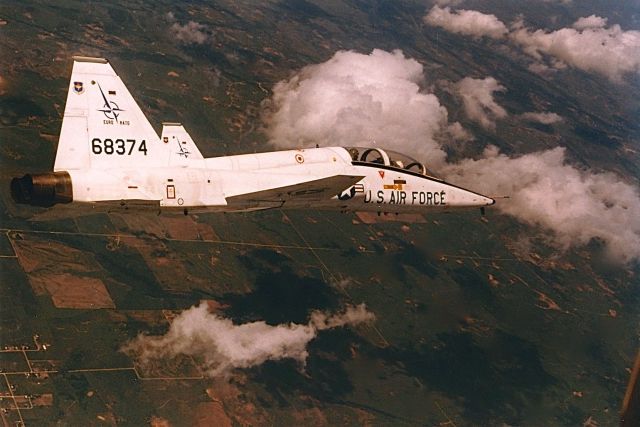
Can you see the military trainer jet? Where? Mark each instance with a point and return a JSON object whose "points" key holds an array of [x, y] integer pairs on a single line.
{"points": [[110, 158]]}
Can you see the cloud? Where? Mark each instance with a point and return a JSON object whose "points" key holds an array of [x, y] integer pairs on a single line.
{"points": [[190, 33], [479, 105], [589, 45], [466, 22], [355, 99], [456, 132], [592, 21], [222, 346], [544, 118], [544, 190]]}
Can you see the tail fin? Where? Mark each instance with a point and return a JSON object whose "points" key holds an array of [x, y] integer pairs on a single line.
{"points": [[179, 142], [103, 127]]}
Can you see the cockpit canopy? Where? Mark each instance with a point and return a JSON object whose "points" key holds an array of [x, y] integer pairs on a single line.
{"points": [[378, 156]]}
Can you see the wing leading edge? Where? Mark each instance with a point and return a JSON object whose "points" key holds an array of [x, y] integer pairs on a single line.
{"points": [[314, 190]]}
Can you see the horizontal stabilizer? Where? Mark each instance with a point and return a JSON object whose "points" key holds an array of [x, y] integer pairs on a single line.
{"points": [[318, 189]]}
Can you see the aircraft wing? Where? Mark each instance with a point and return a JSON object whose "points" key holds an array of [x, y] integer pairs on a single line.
{"points": [[318, 189]]}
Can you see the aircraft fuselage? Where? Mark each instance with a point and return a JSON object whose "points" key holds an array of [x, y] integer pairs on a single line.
{"points": [[110, 157]]}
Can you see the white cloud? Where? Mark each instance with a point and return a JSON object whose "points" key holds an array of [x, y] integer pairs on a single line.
{"points": [[222, 346], [589, 45], [352, 316], [467, 22], [544, 190], [354, 99], [456, 132], [479, 105], [592, 21], [190, 33], [544, 118], [539, 68]]}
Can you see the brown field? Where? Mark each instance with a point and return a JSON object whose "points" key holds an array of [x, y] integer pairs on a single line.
{"points": [[148, 224], [181, 229], [310, 417], [172, 227], [45, 399], [211, 414], [167, 267], [237, 404], [151, 317], [39, 257], [177, 367], [62, 272], [68, 291]]}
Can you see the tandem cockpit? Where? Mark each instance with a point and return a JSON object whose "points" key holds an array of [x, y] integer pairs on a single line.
{"points": [[377, 157]]}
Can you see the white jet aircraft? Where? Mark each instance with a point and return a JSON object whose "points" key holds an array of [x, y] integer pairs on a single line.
{"points": [[110, 158]]}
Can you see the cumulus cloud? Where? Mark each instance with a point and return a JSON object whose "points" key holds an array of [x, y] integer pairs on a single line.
{"points": [[546, 191], [479, 105], [190, 33], [456, 132], [467, 22], [592, 21], [221, 346], [589, 45], [356, 99], [544, 118]]}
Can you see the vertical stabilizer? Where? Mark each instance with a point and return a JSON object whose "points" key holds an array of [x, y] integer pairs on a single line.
{"points": [[179, 142], [103, 126]]}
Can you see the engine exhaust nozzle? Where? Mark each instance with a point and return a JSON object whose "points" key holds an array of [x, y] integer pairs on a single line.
{"points": [[44, 190]]}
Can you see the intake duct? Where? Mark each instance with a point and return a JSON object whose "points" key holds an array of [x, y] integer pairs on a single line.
{"points": [[45, 189]]}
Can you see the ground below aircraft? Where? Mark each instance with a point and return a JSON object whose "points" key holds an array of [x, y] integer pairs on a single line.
{"points": [[109, 158]]}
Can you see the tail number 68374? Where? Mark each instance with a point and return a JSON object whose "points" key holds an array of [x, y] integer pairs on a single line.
{"points": [[121, 147]]}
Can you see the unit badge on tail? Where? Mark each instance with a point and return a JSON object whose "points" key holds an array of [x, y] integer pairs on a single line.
{"points": [[78, 87]]}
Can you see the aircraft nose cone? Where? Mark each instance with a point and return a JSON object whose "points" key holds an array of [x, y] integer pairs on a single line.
{"points": [[479, 200], [465, 198]]}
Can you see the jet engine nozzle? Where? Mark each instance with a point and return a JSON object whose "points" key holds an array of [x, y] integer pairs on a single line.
{"points": [[44, 190]]}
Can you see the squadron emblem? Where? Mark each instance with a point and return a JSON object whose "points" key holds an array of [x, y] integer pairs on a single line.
{"points": [[78, 87]]}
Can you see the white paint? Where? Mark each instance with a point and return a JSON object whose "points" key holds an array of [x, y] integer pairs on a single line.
{"points": [[100, 147]]}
